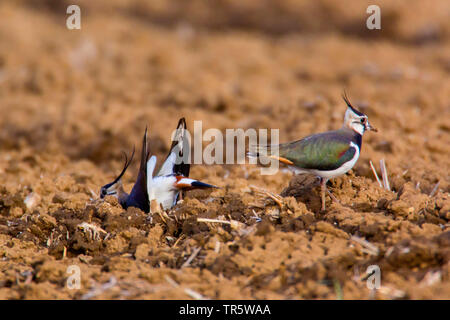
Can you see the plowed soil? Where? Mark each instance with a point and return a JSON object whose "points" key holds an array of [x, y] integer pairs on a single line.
{"points": [[72, 100]]}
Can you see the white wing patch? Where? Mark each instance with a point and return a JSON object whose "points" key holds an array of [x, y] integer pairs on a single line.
{"points": [[162, 187], [151, 163], [167, 166]]}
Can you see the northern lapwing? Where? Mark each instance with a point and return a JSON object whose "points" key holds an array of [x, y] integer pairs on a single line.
{"points": [[326, 155], [162, 189]]}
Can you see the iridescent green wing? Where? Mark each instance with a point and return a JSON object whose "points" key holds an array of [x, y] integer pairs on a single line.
{"points": [[326, 151]]}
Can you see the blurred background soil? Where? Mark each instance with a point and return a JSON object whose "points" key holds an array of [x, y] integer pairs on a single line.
{"points": [[72, 100]]}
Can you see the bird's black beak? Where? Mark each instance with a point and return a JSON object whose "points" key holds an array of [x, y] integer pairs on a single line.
{"points": [[198, 184]]}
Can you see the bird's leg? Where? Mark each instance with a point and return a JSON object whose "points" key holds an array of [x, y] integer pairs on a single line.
{"points": [[323, 186]]}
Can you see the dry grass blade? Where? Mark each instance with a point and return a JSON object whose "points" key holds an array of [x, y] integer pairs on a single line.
{"points": [[178, 240], [191, 293], [96, 291], [384, 175], [195, 295], [431, 278], [161, 216], [207, 220], [217, 247], [275, 197], [370, 248], [192, 257], [94, 194], [233, 223], [391, 292], [435, 188], [172, 282], [94, 232], [375, 174]]}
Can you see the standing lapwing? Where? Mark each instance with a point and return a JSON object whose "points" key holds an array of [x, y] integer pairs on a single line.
{"points": [[164, 188], [326, 155]]}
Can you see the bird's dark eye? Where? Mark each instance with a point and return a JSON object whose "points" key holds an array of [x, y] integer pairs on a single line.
{"points": [[363, 120]]}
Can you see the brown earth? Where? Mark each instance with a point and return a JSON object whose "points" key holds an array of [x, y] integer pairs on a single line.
{"points": [[71, 101]]}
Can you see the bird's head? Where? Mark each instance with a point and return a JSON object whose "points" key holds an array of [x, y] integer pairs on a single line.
{"points": [[111, 189], [356, 120]]}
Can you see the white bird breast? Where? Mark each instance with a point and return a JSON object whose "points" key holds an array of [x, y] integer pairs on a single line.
{"points": [[162, 189]]}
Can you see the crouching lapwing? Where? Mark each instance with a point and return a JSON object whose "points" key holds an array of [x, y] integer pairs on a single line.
{"points": [[162, 189], [326, 155]]}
